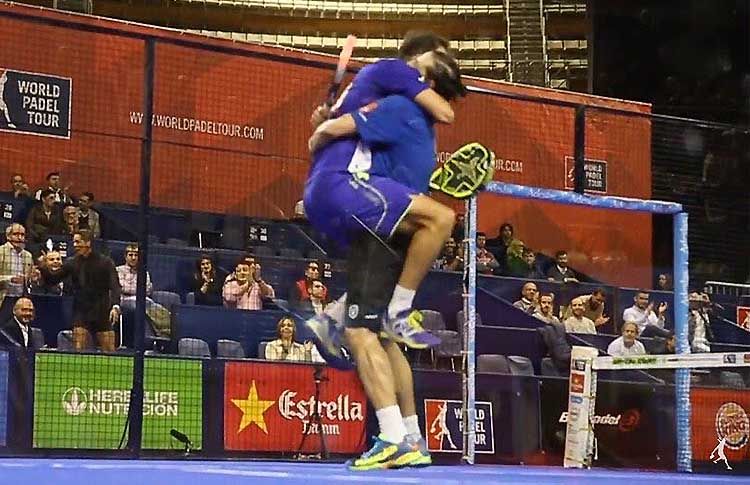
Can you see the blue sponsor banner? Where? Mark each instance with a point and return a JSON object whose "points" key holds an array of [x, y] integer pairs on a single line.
{"points": [[3, 397], [444, 426], [35, 103]]}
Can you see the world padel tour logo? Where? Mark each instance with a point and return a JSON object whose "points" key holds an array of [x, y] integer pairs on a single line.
{"points": [[444, 426], [34, 103], [77, 402]]}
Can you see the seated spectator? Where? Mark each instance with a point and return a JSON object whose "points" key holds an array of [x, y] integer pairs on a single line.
{"points": [[642, 313], [246, 288], [627, 344], [301, 290], [16, 265], [88, 218], [285, 348], [499, 245], [560, 271], [545, 312], [533, 273], [54, 186], [664, 345], [700, 333], [16, 331], [458, 228], [486, 262], [54, 263], [22, 200], [249, 259], [70, 220], [450, 259], [528, 301], [206, 283], [558, 348], [44, 219], [664, 282], [577, 322], [593, 307], [318, 295], [127, 274]]}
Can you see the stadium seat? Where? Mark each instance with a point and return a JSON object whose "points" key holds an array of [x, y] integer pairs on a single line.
{"points": [[190, 298], [290, 253], [449, 347], [493, 364], [520, 366], [262, 350], [65, 340], [549, 368], [731, 379], [262, 250], [37, 338], [167, 299], [193, 347], [229, 349], [433, 321]]}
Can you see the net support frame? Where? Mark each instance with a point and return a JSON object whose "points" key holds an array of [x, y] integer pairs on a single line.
{"points": [[680, 278]]}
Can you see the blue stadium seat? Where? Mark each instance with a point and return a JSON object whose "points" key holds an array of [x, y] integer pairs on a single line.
{"points": [[37, 338], [262, 350], [520, 366], [190, 298], [229, 349], [193, 347], [167, 299], [493, 364]]}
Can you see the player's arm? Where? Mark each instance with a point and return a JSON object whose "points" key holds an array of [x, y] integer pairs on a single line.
{"points": [[436, 105], [330, 130]]}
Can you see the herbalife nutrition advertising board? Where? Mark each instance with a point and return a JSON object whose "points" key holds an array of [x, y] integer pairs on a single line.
{"points": [[81, 401]]}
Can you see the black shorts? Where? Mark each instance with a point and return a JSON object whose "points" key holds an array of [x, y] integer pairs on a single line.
{"points": [[94, 325]]}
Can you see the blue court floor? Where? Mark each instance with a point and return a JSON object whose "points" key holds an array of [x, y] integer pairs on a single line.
{"points": [[143, 472]]}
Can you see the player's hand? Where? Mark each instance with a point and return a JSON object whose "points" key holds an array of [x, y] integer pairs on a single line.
{"points": [[321, 113]]}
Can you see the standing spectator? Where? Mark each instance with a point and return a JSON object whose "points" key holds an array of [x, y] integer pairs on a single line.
{"points": [[499, 245], [626, 344], [515, 265], [458, 228], [16, 331], [529, 256], [486, 262], [246, 289], [22, 201], [88, 218], [54, 186], [44, 219], [528, 301], [96, 292], [54, 262], [560, 271], [577, 323], [70, 220], [593, 307], [15, 268], [642, 313], [285, 348], [206, 283], [700, 334], [450, 259], [301, 291], [545, 312]]}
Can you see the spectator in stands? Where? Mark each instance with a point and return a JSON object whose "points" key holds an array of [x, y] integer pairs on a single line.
{"points": [[88, 218], [22, 200], [301, 290], [127, 274], [499, 245], [664, 282], [545, 312], [285, 348], [577, 322], [515, 264], [450, 259], [642, 313], [529, 298], [626, 344], [560, 270], [458, 228], [666, 345], [700, 334], [70, 219], [16, 266], [249, 259], [246, 288], [299, 211], [486, 262], [593, 307], [16, 331], [45, 219], [533, 273], [54, 262], [96, 292], [318, 296], [54, 186], [206, 283]]}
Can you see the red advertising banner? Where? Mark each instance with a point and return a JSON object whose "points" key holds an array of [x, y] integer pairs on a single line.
{"points": [[268, 407], [720, 424], [743, 317]]}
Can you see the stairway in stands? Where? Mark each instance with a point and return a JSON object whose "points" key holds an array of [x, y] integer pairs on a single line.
{"points": [[525, 41]]}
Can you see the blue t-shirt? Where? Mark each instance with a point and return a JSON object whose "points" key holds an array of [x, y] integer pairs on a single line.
{"points": [[372, 82], [401, 139]]}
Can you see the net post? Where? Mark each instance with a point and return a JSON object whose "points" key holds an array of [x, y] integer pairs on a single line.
{"points": [[682, 376], [469, 330]]}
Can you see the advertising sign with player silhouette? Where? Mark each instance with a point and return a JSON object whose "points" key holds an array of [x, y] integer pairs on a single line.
{"points": [[34, 103], [444, 426]]}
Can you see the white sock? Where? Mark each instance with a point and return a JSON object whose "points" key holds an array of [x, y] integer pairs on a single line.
{"points": [[412, 425], [337, 310], [401, 300], [391, 424]]}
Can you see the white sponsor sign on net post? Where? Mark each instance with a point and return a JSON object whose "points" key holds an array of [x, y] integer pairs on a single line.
{"points": [[579, 437]]}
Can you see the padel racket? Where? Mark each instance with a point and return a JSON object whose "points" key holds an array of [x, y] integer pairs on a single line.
{"points": [[346, 54]]}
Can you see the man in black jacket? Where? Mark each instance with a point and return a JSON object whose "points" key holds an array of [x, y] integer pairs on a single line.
{"points": [[16, 331], [96, 292]]}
